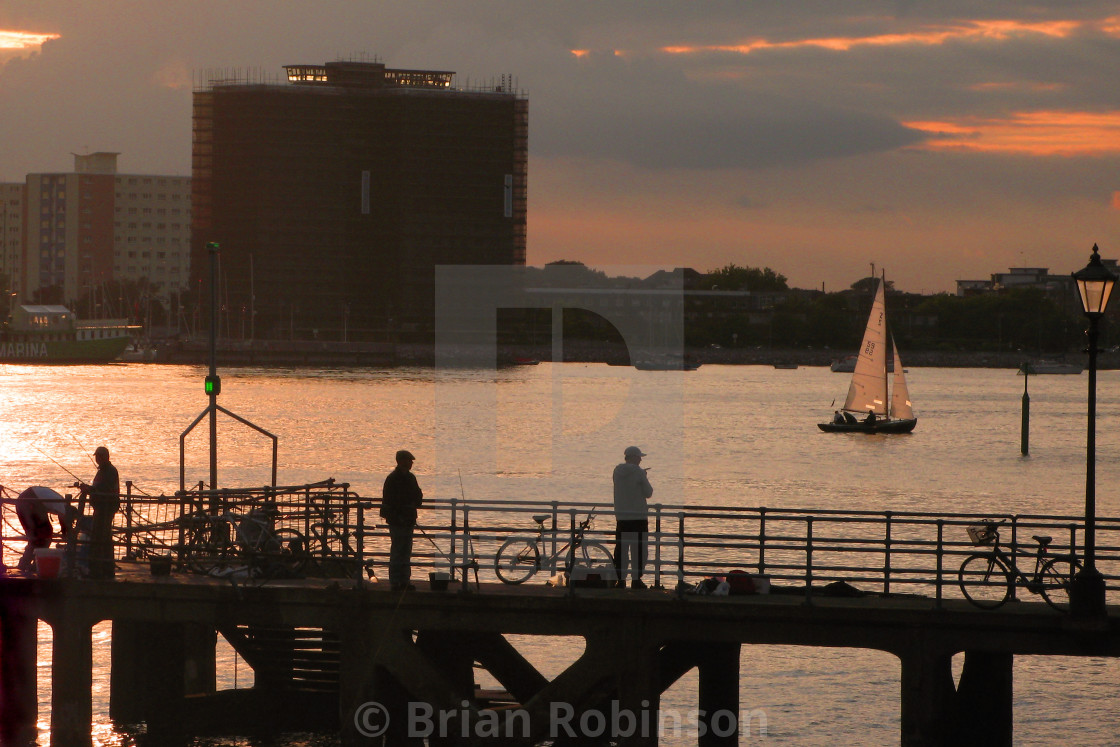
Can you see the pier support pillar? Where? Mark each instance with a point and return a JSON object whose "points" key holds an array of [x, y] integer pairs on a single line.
{"points": [[506, 664], [639, 694], [155, 665], [72, 682], [19, 706], [372, 703], [718, 698], [985, 711], [928, 713], [454, 656]]}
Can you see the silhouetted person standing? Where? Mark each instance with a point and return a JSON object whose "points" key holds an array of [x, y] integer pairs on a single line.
{"points": [[105, 499], [631, 513], [400, 498]]}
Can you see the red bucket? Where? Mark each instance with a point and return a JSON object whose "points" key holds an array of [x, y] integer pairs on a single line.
{"points": [[48, 563]]}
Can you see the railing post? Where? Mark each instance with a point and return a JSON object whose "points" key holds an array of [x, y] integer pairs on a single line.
{"points": [[809, 560], [571, 552], [761, 540], [940, 560], [360, 544], [657, 547], [1014, 552], [887, 556], [454, 533], [681, 583], [555, 527], [128, 519], [466, 558]]}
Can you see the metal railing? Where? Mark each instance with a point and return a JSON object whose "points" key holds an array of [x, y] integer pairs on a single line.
{"points": [[800, 551]]}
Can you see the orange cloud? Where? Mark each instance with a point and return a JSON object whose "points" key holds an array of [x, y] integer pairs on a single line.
{"points": [[1115, 200], [1038, 133], [976, 30], [23, 39], [580, 52]]}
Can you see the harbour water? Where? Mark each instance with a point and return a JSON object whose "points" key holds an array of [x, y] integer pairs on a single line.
{"points": [[722, 435]]}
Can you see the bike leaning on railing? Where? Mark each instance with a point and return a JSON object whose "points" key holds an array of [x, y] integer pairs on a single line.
{"points": [[988, 578], [228, 543], [520, 557]]}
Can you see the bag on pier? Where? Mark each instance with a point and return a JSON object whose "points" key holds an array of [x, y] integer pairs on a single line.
{"points": [[740, 582]]}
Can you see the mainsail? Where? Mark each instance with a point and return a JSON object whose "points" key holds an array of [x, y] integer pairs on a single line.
{"points": [[868, 390]]}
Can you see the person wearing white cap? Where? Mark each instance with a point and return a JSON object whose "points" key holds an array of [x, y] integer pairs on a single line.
{"points": [[631, 512]]}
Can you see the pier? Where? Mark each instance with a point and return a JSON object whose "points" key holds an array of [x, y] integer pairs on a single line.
{"points": [[333, 650]]}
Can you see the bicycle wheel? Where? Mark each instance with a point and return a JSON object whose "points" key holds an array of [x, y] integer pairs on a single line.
{"points": [[210, 551], [1055, 578], [593, 554], [985, 580], [517, 560], [212, 559], [287, 554]]}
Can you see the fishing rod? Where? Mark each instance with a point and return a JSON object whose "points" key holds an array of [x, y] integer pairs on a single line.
{"points": [[83, 448], [48, 456]]}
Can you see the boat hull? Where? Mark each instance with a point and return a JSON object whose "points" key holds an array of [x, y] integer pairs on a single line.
{"points": [[28, 349], [879, 426]]}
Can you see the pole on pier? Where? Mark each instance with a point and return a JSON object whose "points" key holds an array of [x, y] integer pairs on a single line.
{"points": [[1025, 432], [213, 383]]}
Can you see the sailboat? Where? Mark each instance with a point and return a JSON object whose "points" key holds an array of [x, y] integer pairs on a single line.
{"points": [[866, 409]]}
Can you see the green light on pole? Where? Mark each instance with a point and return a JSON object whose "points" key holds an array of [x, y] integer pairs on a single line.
{"points": [[214, 385]]}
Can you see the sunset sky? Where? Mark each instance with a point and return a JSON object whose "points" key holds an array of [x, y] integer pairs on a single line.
{"points": [[939, 140]]}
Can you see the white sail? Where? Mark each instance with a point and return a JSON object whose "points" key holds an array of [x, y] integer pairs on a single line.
{"points": [[868, 390], [900, 395]]}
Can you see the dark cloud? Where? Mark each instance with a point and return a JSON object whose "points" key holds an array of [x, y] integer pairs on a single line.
{"points": [[791, 140], [763, 132]]}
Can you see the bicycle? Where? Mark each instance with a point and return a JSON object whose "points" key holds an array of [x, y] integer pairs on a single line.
{"points": [[520, 557], [987, 578], [228, 543], [335, 554]]}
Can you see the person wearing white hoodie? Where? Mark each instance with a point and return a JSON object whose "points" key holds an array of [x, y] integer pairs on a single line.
{"points": [[631, 512]]}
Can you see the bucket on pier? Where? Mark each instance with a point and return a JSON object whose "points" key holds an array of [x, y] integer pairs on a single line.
{"points": [[439, 580], [48, 562]]}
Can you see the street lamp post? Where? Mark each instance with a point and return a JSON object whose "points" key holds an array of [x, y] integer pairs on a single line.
{"points": [[1087, 589]]}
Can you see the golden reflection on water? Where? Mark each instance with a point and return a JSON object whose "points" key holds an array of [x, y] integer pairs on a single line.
{"points": [[725, 436]]}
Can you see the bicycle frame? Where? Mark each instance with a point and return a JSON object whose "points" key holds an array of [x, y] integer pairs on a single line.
{"points": [[1030, 583], [528, 555]]}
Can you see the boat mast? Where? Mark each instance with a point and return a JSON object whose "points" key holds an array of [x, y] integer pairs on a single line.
{"points": [[888, 358]]}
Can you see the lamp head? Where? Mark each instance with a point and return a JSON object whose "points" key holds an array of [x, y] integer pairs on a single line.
{"points": [[1095, 283]]}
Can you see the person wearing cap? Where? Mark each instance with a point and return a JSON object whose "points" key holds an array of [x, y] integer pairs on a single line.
{"points": [[631, 512], [400, 497], [105, 499]]}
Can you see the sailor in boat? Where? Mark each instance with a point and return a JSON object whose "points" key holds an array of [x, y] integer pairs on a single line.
{"points": [[837, 417], [870, 419]]}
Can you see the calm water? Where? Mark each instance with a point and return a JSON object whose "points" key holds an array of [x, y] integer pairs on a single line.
{"points": [[721, 435]]}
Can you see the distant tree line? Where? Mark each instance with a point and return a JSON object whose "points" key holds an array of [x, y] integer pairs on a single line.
{"points": [[771, 315]]}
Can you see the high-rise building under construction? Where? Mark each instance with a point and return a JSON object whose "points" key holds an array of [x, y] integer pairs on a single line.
{"points": [[334, 195]]}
